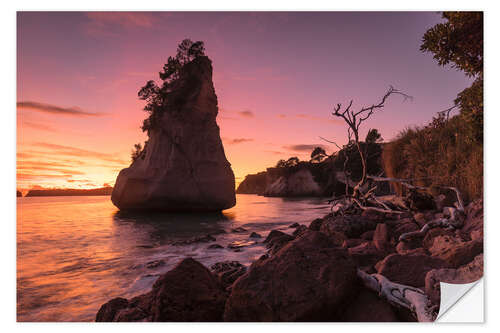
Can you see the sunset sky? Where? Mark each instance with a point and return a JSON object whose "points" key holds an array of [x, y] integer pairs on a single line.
{"points": [[277, 76]]}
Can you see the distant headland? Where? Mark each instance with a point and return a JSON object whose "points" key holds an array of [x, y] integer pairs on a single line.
{"points": [[106, 190]]}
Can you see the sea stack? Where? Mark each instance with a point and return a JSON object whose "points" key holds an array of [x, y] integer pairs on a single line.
{"points": [[183, 167]]}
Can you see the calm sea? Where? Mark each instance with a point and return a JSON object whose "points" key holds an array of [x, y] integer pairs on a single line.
{"points": [[76, 253]]}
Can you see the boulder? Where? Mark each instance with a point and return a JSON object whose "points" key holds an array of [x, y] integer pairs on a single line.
{"points": [[469, 273], [255, 235], [433, 233], [183, 166], [408, 269], [368, 307], [309, 279], [473, 224], [366, 255], [352, 226], [454, 251], [299, 230], [352, 242], [189, 292], [367, 235], [381, 237], [315, 225], [404, 227], [276, 240]]}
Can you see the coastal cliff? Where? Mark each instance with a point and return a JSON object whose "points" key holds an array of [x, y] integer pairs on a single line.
{"points": [[183, 166], [306, 178]]}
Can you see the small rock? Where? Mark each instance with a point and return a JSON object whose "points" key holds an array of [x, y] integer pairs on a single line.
{"points": [[352, 242], [201, 239], [155, 263], [255, 235], [454, 251], [228, 271], [366, 254], [276, 240], [295, 225], [367, 235], [215, 246], [239, 230]]}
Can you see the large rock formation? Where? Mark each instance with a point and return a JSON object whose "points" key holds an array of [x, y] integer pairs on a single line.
{"points": [[183, 166]]}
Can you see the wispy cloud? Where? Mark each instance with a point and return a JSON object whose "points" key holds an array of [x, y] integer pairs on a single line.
{"points": [[54, 109], [246, 114], [111, 24], [78, 152], [39, 126], [302, 148], [236, 140]]}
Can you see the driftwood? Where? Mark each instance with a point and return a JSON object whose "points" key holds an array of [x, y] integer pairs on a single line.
{"points": [[407, 297]]}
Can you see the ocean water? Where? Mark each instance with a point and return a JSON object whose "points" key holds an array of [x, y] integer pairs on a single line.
{"points": [[76, 253]]}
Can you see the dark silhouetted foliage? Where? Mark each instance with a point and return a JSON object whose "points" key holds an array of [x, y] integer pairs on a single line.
{"points": [[318, 154], [459, 41], [373, 136], [136, 152], [156, 97]]}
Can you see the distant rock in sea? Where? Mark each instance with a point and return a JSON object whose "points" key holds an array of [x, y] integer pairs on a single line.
{"points": [[19, 194], [183, 166]]}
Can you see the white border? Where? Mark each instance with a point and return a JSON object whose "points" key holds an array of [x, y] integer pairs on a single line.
{"points": [[8, 91]]}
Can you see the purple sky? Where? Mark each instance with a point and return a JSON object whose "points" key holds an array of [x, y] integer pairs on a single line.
{"points": [[277, 76]]}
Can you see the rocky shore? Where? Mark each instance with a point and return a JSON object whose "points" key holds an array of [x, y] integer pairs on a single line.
{"points": [[314, 273]]}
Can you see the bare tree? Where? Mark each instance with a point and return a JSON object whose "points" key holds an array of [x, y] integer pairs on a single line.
{"points": [[354, 119]]}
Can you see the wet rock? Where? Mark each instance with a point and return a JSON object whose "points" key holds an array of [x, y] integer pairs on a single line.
{"points": [[276, 240], [368, 307], [469, 273], [307, 280], [454, 251], [239, 230], [187, 293], [201, 239], [255, 235], [300, 230], [295, 225], [183, 166], [155, 264], [239, 244], [215, 246], [228, 271], [108, 310], [315, 225], [408, 269]]}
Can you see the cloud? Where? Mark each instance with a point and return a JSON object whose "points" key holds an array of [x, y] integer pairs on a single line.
{"points": [[125, 19], [78, 152], [111, 24], [246, 114], [39, 126], [237, 140], [302, 148], [54, 109]]}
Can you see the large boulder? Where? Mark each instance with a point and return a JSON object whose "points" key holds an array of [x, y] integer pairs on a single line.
{"points": [[189, 292], [352, 226], [309, 279], [408, 269], [471, 272], [369, 307], [455, 251], [183, 166]]}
